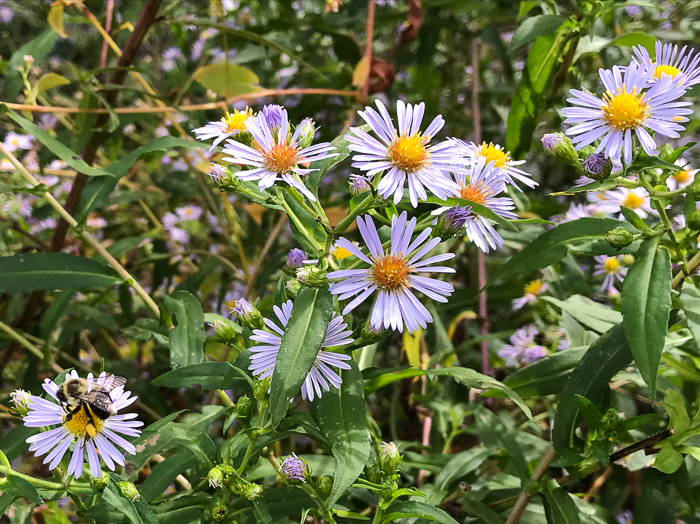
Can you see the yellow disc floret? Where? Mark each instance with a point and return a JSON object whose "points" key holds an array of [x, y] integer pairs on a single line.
{"points": [[533, 287], [633, 201], [390, 272], [340, 253], [625, 110], [83, 422], [611, 265], [493, 153], [409, 153], [236, 121], [479, 192], [681, 177], [668, 70], [281, 158]]}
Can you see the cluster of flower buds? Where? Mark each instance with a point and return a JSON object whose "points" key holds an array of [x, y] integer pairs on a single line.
{"points": [[224, 475]]}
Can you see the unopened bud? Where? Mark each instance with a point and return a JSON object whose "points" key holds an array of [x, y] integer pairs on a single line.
{"points": [[219, 512], [325, 485], [693, 221], [389, 457], [251, 491], [373, 473], [101, 482], [244, 408], [20, 399], [292, 287], [597, 166], [666, 153], [28, 59], [619, 238], [371, 333], [217, 173], [129, 490], [261, 388], [451, 222], [225, 331], [308, 131], [558, 145], [247, 314], [627, 260], [215, 477], [294, 470], [295, 258], [312, 276]]}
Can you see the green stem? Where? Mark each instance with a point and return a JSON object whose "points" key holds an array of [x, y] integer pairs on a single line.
{"points": [[352, 215], [248, 452], [321, 217], [42, 484], [292, 216], [311, 489]]}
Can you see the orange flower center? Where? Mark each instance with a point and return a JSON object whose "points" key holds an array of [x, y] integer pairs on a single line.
{"points": [[391, 272], [408, 152], [281, 158], [478, 193], [681, 177]]}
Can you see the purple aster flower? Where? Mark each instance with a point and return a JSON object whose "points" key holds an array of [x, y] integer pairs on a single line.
{"points": [[500, 158], [78, 424], [626, 107], [633, 10], [294, 468], [612, 268], [405, 156], [321, 376], [216, 171], [682, 66], [276, 159], [522, 347], [625, 517], [274, 114], [189, 212], [683, 178], [550, 141], [575, 212], [296, 257], [6, 14], [456, 217], [532, 290], [636, 199], [596, 164], [394, 274], [359, 184], [231, 124], [14, 141]]}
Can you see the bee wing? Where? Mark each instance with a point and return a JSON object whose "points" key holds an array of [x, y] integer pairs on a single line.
{"points": [[98, 399], [112, 382]]}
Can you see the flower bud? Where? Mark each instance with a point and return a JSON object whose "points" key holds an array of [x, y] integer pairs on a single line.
{"points": [[627, 260], [294, 470], [101, 482], [219, 512], [597, 166], [20, 399], [225, 331], [666, 153], [217, 173], [295, 258], [370, 333], [307, 131], [359, 184], [558, 145], [451, 222], [292, 287], [325, 485], [129, 490], [244, 408], [273, 115], [247, 314], [373, 473], [29, 60], [619, 238], [251, 491], [312, 276], [693, 221], [389, 457], [215, 477], [261, 388]]}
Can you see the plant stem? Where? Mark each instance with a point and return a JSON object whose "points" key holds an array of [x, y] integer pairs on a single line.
{"points": [[298, 223], [28, 345], [693, 264], [40, 483], [352, 215], [524, 498]]}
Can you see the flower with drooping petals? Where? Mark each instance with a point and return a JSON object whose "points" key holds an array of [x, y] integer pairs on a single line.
{"points": [[231, 124], [683, 66], [278, 155], [501, 159], [522, 347], [532, 290], [394, 275], [613, 270], [405, 156], [321, 376], [88, 433], [627, 107]]}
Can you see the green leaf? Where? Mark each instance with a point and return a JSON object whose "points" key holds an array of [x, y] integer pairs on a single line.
{"points": [[690, 299], [590, 411], [208, 375], [604, 358], [634, 219], [529, 98], [138, 512], [459, 466], [325, 165], [21, 488], [227, 79], [49, 271], [311, 225], [635, 38], [552, 245], [645, 163], [57, 148], [49, 81], [299, 347], [477, 208], [341, 416], [187, 336], [668, 460], [198, 442], [98, 189], [587, 312], [646, 305], [531, 28], [36, 190], [412, 508], [185, 508], [675, 407], [163, 474], [13, 443], [559, 506], [39, 48]]}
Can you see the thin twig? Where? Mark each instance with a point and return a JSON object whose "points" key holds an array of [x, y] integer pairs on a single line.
{"points": [[252, 273], [598, 483], [28, 345], [27, 234], [108, 28], [524, 498], [364, 88]]}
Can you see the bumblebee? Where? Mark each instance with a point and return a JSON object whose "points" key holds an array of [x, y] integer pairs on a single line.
{"points": [[90, 407]]}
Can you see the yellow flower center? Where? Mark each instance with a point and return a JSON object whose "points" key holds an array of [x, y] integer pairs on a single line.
{"points": [[390, 272], [493, 153], [681, 177], [188, 211], [478, 193], [662, 70], [341, 253], [632, 201], [231, 304], [611, 265], [408, 152], [83, 421], [281, 158], [14, 141], [533, 287], [236, 121], [625, 110]]}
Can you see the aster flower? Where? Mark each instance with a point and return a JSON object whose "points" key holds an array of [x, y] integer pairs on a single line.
{"points": [[626, 107], [278, 156], [626, 516], [612, 268], [550, 141], [189, 212], [683, 178], [359, 184], [90, 434], [405, 156], [293, 468], [577, 211], [683, 66], [393, 274], [321, 376], [532, 290], [522, 347], [597, 165], [231, 124], [274, 114], [636, 199], [216, 173], [341, 253], [14, 141], [296, 257], [500, 158]]}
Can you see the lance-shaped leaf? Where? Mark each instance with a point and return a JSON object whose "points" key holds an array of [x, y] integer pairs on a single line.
{"points": [[299, 347], [646, 305], [690, 298], [341, 416], [187, 336]]}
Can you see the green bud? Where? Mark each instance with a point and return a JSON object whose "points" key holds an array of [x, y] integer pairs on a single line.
{"points": [[244, 408], [308, 131], [247, 314], [619, 238], [20, 399], [225, 332], [693, 221], [101, 482], [219, 512], [666, 153], [627, 260], [261, 388], [558, 145], [311, 276], [325, 485], [251, 491], [292, 287], [129, 490], [370, 333], [373, 473], [216, 477], [389, 457]]}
